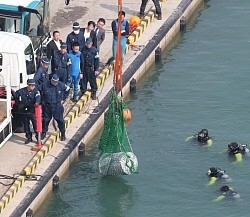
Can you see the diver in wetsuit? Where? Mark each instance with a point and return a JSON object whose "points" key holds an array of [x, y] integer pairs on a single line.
{"points": [[216, 173], [235, 148], [227, 193], [202, 136]]}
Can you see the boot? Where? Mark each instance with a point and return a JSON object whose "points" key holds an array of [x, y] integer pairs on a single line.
{"points": [[63, 137], [28, 140], [93, 95], [75, 98], [159, 17], [43, 135]]}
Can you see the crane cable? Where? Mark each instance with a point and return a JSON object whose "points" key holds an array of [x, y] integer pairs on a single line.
{"points": [[118, 58]]}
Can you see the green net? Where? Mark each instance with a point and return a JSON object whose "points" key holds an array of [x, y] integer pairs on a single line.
{"points": [[117, 157]]}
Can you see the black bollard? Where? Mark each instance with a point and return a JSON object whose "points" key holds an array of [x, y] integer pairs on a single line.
{"points": [[55, 183], [183, 24], [29, 213], [158, 54], [81, 149], [133, 85]]}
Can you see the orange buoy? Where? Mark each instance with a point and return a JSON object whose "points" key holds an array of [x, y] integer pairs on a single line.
{"points": [[134, 21], [126, 114]]}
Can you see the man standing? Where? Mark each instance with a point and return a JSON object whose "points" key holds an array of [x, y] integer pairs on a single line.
{"points": [[41, 74], [75, 76], [90, 67], [62, 63], [124, 33], [52, 46], [27, 99], [89, 32], [52, 97], [100, 32], [157, 8], [75, 36]]}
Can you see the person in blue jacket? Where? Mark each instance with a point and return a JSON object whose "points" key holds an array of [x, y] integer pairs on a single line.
{"points": [[75, 71], [124, 34]]}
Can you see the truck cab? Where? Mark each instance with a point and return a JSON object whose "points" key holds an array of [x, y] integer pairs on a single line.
{"points": [[27, 17], [17, 64]]}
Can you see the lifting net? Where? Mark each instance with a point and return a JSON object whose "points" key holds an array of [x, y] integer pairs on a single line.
{"points": [[117, 157]]}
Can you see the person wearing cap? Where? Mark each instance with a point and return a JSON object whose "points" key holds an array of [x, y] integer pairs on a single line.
{"points": [[124, 34], [90, 67], [27, 99], [62, 63], [75, 70], [41, 74], [52, 93], [89, 32], [54, 44], [75, 36]]}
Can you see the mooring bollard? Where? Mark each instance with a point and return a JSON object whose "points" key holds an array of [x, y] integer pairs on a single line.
{"points": [[81, 149], [55, 183], [183, 24], [158, 54], [133, 85], [29, 213]]}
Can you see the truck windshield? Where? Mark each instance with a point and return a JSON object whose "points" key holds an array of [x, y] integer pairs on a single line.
{"points": [[30, 60], [10, 24], [32, 23]]}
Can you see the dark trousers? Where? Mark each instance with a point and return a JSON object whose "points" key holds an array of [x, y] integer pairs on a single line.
{"points": [[55, 111], [88, 76], [26, 118], [156, 3]]}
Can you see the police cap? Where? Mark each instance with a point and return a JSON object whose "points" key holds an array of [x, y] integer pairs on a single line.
{"points": [[55, 77], [89, 40], [38, 52], [45, 60], [63, 45], [76, 26], [31, 82]]}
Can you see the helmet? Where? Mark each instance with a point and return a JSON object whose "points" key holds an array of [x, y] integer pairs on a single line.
{"points": [[224, 188], [233, 145]]}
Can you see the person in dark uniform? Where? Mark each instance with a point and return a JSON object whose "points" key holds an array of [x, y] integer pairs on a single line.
{"points": [[90, 66], [75, 36], [52, 93], [228, 193], [27, 99], [157, 8], [41, 74], [52, 46], [62, 63]]}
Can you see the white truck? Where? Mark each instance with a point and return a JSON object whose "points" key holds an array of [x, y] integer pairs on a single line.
{"points": [[17, 64]]}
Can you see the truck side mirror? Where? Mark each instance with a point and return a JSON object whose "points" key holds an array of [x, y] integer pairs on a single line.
{"points": [[40, 30]]}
